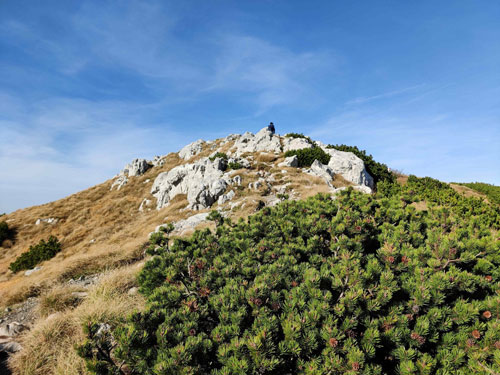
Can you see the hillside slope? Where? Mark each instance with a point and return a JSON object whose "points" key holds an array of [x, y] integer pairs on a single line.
{"points": [[103, 226], [104, 230]]}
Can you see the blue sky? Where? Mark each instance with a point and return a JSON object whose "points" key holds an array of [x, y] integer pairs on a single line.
{"points": [[86, 86]]}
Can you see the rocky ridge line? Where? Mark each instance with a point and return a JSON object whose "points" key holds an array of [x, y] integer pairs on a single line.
{"points": [[206, 181]]}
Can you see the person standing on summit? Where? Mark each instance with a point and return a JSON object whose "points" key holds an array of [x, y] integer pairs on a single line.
{"points": [[271, 128]]}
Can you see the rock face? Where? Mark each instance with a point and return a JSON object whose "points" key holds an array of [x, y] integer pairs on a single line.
{"points": [[291, 144], [291, 161], [191, 222], [192, 149], [264, 140], [203, 182], [136, 168], [324, 171], [226, 197], [158, 161], [350, 167]]}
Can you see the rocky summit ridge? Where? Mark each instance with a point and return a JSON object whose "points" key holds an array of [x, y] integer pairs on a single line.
{"points": [[207, 179]]}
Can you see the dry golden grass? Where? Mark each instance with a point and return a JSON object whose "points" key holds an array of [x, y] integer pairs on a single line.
{"points": [[266, 158], [98, 228], [48, 349], [420, 206], [402, 179], [59, 298], [468, 192]]}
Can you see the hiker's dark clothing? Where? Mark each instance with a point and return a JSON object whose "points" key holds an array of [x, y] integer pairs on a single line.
{"points": [[271, 128]]}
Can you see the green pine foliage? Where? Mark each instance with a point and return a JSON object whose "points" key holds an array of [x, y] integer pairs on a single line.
{"points": [[221, 155], [377, 170], [358, 284], [491, 191], [44, 250], [234, 165], [4, 231], [307, 156]]}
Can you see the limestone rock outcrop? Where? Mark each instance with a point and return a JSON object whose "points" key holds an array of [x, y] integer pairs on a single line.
{"points": [[350, 167], [291, 144], [203, 182], [136, 168], [324, 171], [291, 161], [226, 197], [119, 182], [263, 141], [192, 149], [49, 220]]}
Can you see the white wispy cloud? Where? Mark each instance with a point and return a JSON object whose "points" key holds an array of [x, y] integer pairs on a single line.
{"points": [[366, 99], [275, 75], [63, 145]]}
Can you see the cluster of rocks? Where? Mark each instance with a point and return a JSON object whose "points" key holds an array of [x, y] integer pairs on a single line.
{"points": [[192, 149], [49, 220], [203, 181], [263, 141], [135, 168], [13, 322]]}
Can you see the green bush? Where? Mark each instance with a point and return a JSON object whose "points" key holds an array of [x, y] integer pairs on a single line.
{"points": [[219, 155], [360, 284], [44, 250], [378, 171], [300, 135], [307, 156], [4, 231], [492, 192], [234, 165]]}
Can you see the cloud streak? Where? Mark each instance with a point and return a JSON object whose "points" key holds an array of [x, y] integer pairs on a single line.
{"points": [[390, 94]]}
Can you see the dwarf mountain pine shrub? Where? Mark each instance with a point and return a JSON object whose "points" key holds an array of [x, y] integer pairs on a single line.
{"points": [[44, 250], [234, 165], [4, 231], [377, 170], [359, 284], [307, 156], [221, 155]]}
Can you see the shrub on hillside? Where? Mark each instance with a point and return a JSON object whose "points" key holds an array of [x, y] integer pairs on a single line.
{"points": [[4, 231], [218, 155], [234, 165], [44, 250], [307, 156], [359, 284], [379, 171]]}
